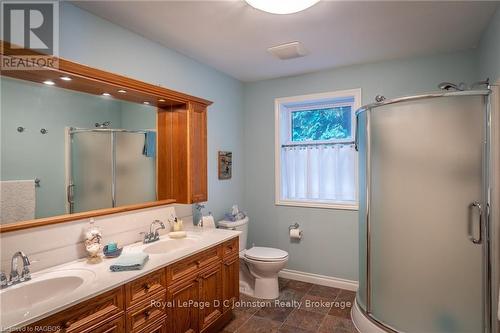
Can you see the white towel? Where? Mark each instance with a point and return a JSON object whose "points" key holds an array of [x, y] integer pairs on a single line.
{"points": [[17, 200], [208, 221]]}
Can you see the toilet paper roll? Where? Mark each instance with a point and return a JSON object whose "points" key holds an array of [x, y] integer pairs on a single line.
{"points": [[208, 221], [295, 234]]}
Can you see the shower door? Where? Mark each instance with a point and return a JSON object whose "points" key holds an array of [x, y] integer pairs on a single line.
{"points": [[426, 196], [91, 171], [108, 169]]}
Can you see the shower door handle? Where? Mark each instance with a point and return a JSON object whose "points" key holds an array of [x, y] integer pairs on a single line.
{"points": [[473, 239], [70, 196]]}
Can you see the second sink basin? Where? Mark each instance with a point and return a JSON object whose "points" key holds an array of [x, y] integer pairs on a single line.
{"points": [[169, 245]]}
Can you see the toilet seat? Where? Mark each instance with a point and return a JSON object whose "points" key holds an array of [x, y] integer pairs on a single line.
{"points": [[265, 254]]}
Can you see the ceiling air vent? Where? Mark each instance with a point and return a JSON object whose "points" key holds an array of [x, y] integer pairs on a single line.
{"points": [[288, 50]]}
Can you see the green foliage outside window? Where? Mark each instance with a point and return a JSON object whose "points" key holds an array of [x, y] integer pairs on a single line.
{"points": [[322, 124]]}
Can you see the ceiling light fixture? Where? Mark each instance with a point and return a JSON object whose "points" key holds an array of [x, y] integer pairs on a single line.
{"points": [[106, 94], [65, 78], [49, 82], [122, 91], [161, 100], [147, 103], [282, 7]]}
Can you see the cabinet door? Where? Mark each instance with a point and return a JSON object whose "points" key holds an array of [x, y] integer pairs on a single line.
{"points": [[231, 281], [182, 313], [198, 152], [210, 296]]}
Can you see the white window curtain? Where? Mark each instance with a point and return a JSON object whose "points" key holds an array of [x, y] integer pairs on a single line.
{"points": [[323, 172]]}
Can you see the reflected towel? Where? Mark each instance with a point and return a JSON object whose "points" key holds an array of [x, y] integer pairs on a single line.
{"points": [[150, 144], [17, 200], [130, 262]]}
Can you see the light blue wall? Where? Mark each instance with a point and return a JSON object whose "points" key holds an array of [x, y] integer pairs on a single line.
{"points": [[330, 242], [90, 40], [489, 50]]}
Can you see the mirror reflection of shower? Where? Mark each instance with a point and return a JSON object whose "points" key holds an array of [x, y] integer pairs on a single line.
{"points": [[109, 167]]}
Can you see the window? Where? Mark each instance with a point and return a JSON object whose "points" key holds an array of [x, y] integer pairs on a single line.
{"points": [[316, 163]]}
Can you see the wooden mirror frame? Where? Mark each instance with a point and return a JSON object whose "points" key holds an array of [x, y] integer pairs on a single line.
{"points": [[175, 134]]}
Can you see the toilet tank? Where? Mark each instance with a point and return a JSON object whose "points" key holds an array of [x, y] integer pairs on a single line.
{"points": [[239, 225]]}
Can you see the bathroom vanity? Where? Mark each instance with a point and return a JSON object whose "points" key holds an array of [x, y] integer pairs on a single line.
{"points": [[188, 289]]}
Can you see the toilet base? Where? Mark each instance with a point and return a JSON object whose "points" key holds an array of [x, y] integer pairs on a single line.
{"points": [[266, 288]]}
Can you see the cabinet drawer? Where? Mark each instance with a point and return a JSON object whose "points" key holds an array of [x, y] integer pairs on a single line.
{"points": [[230, 247], [140, 289], [146, 313], [189, 267], [84, 316], [159, 326], [114, 326]]}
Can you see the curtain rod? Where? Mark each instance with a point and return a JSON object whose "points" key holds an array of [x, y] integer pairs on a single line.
{"points": [[318, 144]]}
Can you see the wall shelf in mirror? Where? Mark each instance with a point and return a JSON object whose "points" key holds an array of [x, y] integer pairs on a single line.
{"points": [[179, 127]]}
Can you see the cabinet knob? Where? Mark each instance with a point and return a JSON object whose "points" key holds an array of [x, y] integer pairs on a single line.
{"points": [[66, 324], [146, 286], [147, 313], [198, 263]]}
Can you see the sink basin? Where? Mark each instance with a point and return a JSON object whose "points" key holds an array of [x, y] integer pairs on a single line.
{"points": [[23, 297], [170, 245]]}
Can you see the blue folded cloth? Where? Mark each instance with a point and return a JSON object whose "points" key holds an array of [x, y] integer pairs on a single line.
{"points": [[130, 262], [150, 144]]}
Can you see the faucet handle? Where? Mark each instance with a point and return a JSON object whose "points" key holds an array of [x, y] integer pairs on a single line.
{"points": [[3, 280], [26, 274]]}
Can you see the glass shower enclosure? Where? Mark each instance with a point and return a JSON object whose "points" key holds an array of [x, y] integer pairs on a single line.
{"points": [[107, 168], [423, 213]]}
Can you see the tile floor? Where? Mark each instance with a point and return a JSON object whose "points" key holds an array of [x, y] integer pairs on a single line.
{"points": [[301, 308]]}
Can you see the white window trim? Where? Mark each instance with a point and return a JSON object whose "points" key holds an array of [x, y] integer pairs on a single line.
{"points": [[278, 102]]}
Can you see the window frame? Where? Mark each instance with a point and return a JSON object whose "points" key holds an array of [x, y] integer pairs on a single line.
{"points": [[279, 108]]}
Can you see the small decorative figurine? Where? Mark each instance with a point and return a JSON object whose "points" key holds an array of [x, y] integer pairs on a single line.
{"points": [[93, 238]]}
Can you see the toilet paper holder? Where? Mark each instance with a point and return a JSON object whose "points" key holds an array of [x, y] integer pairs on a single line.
{"points": [[293, 226]]}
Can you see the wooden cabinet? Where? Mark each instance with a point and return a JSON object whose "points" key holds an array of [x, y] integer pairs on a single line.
{"points": [[197, 152], [183, 312], [85, 316], [210, 286], [185, 297], [182, 153], [230, 281]]}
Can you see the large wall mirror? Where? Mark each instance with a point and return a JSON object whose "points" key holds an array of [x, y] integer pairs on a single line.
{"points": [[79, 142], [64, 151]]}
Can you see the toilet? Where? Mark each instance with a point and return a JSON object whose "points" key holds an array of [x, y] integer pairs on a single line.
{"points": [[259, 266]]}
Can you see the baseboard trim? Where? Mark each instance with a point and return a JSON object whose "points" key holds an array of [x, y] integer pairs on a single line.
{"points": [[322, 280]]}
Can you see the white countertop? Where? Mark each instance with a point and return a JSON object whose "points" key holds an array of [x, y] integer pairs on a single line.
{"points": [[100, 279]]}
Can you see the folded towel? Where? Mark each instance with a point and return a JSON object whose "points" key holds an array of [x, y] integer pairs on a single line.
{"points": [[130, 262], [150, 144], [17, 200]]}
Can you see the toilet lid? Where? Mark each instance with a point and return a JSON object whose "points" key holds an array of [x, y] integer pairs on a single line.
{"points": [[265, 253]]}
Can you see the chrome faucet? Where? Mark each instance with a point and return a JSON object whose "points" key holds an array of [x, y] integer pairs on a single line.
{"points": [[153, 236], [14, 274]]}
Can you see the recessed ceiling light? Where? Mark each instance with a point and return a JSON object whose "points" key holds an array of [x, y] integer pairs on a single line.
{"points": [[282, 7], [65, 78], [106, 94], [161, 100], [122, 91], [147, 103], [49, 82]]}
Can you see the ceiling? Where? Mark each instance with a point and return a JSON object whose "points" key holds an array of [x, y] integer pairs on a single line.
{"points": [[234, 37]]}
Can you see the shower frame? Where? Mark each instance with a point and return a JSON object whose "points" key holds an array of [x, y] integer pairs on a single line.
{"points": [[486, 227], [70, 184]]}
